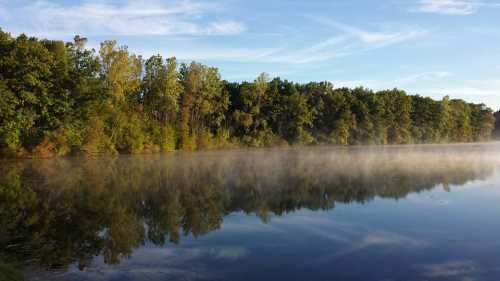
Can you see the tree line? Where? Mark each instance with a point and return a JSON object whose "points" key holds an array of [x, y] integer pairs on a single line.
{"points": [[60, 98], [496, 131]]}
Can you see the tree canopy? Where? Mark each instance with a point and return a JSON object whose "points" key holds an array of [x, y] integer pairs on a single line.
{"points": [[60, 98]]}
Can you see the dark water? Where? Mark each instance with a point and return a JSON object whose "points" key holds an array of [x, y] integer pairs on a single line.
{"points": [[393, 213]]}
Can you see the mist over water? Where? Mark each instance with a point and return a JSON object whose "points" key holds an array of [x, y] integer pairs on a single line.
{"points": [[396, 212]]}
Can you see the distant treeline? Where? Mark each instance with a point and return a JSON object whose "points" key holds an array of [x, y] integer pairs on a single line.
{"points": [[496, 132], [59, 98]]}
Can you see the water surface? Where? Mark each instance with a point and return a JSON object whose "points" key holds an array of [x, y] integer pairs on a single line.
{"points": [[365, 213]]}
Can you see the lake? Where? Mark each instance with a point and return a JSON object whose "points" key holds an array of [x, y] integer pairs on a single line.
{"points": [[410, 213]]}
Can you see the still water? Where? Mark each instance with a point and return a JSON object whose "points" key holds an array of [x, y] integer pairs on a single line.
{"points": [[410, 213]]}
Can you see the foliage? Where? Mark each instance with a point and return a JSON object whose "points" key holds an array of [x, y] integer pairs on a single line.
{"points": [[58, 99]]}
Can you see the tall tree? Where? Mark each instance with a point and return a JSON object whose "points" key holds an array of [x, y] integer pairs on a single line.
{"points": [[425, 113], [160, 94], [461, 130], [398, 116], [161, 89], [249, 120], [482, 122], [121, 74], [203, 105]]}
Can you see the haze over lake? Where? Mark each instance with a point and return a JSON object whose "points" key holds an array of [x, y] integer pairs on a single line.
{"points": [[410, 213]]}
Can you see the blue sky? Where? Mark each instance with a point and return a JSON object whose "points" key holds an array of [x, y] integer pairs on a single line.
{"points": [[427, 47]]}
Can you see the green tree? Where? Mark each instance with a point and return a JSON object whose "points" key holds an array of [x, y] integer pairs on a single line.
{"points": [[398, 109], [425, 120], [203, 106], [460, 115], [59, 98], [249, 121], [482, 122], [161, 90], [121, 74]]}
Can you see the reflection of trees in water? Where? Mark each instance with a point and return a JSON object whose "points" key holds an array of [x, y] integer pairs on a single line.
{"points": [[58, 212]]}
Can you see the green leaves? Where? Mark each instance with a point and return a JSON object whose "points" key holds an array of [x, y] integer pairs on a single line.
{"points": [[59, 98]]}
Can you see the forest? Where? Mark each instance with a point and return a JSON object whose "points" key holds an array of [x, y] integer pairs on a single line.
{"points": [[60, 98]]}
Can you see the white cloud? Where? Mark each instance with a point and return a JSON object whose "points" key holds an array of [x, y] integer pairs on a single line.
{"points": [[485, 91], [431, 76], [349, 40], [369, 83], [426, 76], [156, 263], [447, 7], [144, 17], [375, 38], [377, 239], [230, 253], [217, 53], [465, 91], [323, 51], [387, 238], [453, 7], [460, 269]]}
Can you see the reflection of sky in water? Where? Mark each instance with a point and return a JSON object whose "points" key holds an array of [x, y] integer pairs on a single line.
{"points": [[431, 235]]}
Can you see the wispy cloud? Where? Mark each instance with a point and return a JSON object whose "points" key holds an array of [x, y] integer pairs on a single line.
{"points": [[144, 17], [153, 263], [380, 239], [326, 50], [430, 76], [425, 76], [230, 253], [480, 91], [447, 7], [466, 91], [453, 7], [225, 54], [346, 238], [377, 38], [459, 270], [348, 40], [487, 87]]}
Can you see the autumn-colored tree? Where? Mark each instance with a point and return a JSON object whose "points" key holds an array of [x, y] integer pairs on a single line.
{"points": [[58, 99]]}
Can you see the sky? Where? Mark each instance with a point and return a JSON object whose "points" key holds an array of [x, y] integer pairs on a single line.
{"points": [[427, 47]]}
